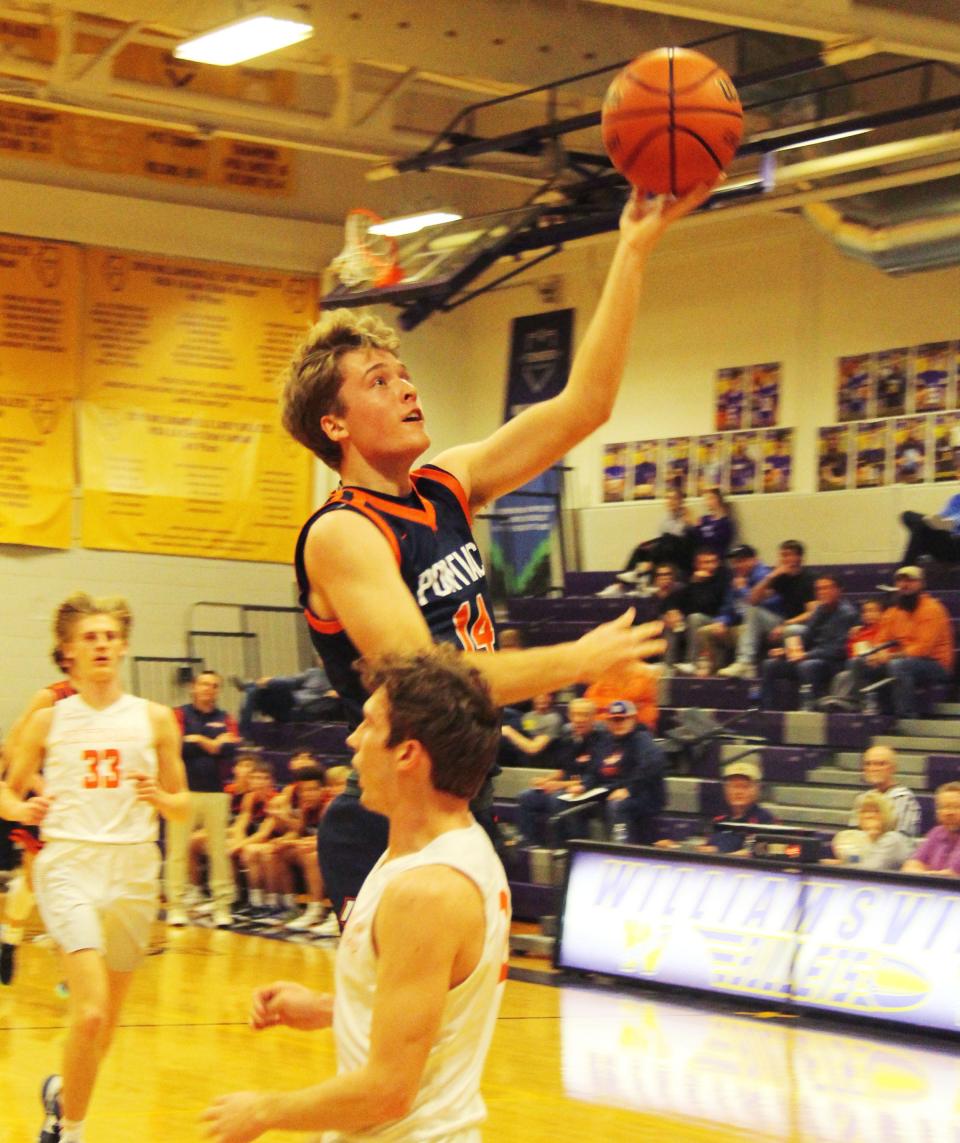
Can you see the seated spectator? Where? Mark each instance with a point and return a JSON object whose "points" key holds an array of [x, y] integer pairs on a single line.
{"points": [[637, 684], [866, 635], [880, 773], [630, 771], [350, 839], [816, 656], [246, 839], [535, 734], [782, 600], [673, 545], [939, 852], [714, 642], [695, 605], [715, 529], [296, 848], [920, 627], [307, 697], [577, 750], [935, 536], [741, 792], [876, 843]]}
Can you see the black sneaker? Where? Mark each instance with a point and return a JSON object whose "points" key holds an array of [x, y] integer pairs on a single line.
{"points": [[50, 1097], [8, 958]]}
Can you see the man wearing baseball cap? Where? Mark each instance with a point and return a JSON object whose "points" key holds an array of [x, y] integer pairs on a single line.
{"points": [[920, 628], [715, 641], [741, 792], [631, 770]]}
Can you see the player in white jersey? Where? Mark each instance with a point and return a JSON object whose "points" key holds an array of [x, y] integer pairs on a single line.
{"points": [[110, 762], [422, 962]]}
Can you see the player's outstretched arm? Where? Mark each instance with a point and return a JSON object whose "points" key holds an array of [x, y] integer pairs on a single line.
{"points": [[424, 929], [542, 434]]}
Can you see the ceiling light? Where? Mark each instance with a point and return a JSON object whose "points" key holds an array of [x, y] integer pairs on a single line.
{"points": [[823, 139], [265, 31], [411, 223]]}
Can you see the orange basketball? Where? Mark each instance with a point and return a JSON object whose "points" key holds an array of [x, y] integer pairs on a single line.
{"points": [[671, 120]]}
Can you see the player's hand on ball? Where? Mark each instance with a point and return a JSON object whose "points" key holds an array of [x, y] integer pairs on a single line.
{"points": [[292, 1005], [617, 644], [233, 1118], [644, 220]]}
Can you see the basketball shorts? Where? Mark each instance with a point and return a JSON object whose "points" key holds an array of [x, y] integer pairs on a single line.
{"points": [[99, 896]]}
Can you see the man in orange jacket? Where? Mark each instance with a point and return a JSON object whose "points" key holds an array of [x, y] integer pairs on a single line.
{"points": [[920, 628]]}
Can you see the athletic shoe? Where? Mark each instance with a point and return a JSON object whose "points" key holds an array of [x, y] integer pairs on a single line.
{"points": [[329, 927], [738, 670], [8, 957], [684, 668], [222, 918], [50, 1098], [311, 915], [612, 590], [177, 917]]}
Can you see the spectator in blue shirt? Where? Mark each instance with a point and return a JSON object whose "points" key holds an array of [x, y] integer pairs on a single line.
{"points": [[715, 641], [936, 535]]}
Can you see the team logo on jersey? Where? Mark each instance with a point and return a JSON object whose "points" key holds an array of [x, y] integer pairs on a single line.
{"points": [[456, 570]]}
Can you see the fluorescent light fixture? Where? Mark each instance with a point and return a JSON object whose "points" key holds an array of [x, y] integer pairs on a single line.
{"points": [[411, 223], [823, 139], [245, 39]]}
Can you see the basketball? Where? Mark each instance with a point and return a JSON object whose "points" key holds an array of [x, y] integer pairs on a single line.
{"points": [[671, 120]]}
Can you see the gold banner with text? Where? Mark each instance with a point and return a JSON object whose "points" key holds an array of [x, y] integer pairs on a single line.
{"points": [[36, 470], [188, 485]]}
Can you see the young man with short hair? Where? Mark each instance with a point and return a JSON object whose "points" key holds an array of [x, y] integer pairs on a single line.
{"points": [[422, 963]]}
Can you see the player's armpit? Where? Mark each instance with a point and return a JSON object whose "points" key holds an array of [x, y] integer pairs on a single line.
{"points": [[355, 577]]}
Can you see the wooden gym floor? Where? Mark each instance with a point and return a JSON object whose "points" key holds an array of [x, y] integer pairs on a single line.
{"points": [[568, 1063]]}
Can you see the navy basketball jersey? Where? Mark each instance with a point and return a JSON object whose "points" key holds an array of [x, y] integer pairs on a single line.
{"points": [[429, 533]]}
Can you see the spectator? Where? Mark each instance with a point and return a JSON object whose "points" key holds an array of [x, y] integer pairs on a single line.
{"points": [[937, 536], [578, 748], [876, 843], [715, 528], [306, 697], [350, 839], [866, 635], [715, 641], [920, 627], [631, 770], [695, 605], [209, 742], [636, 684], [741, 792], [816, 656], [782, 600], [251, 829], [939, 852], [880, 772], [673, 544], [297, 848], [538, 730]]}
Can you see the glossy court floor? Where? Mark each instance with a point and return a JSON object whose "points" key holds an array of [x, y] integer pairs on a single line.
{"points": [[568, 1062]]}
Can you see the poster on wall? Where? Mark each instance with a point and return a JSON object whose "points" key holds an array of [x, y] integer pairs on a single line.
{"points": [[892, 376], [743, 466], [764, 395], [645, 469], [910, 450], [946, 443], [731, 398], [932, 367], [677, 464], [871, 445], [833, 458], [855, 378], [614, 472], [710, 468], [777, 449]]}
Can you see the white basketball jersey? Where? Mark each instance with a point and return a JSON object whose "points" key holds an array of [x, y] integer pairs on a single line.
{"points": [[448, 1105], [90, 755]]}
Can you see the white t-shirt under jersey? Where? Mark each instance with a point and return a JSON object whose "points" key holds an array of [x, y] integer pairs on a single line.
{"points": [[448, 1105], [90, 755]]}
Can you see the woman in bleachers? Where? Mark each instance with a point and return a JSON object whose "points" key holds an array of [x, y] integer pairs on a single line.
{"points": [[875, 844], [716, 528]]}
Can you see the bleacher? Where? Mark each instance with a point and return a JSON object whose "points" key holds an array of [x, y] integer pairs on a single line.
{"points": [[810, 760]]}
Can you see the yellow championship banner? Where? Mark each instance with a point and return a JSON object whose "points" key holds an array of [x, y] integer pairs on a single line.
{"points": [[174, 335], [39, 316], [188, 485], [36, 470]]}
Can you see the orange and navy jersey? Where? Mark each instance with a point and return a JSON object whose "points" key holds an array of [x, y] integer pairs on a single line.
{"points": [[429, 532]]}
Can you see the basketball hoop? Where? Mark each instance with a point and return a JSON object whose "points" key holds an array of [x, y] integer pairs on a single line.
{"points": [[366, 259]]}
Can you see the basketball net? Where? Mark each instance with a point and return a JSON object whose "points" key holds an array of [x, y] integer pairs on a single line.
{"points": [[366, 259]]}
